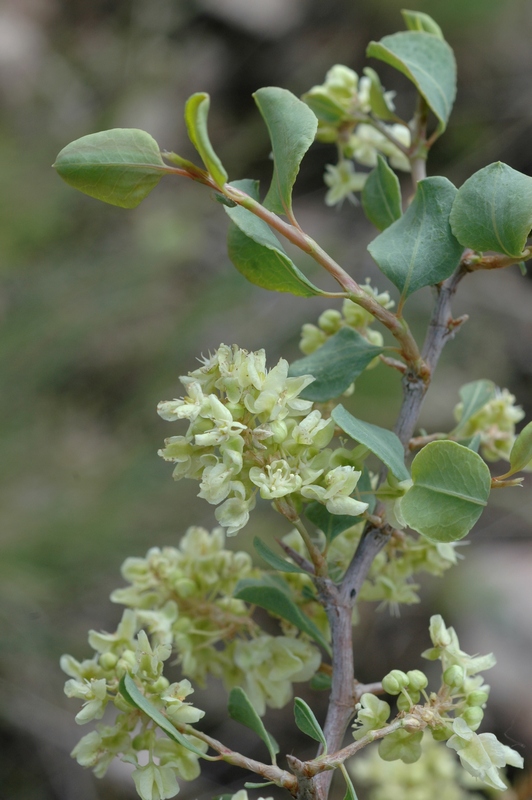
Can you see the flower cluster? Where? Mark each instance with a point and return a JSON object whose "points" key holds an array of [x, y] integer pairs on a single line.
{"points": [[453, 713], [352, 316], [248, 432], [96, 683], [495, 422], [179, 601], [343, 105], [435, 774]]}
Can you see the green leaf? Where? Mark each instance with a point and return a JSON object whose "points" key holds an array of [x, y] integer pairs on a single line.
{"points": [[350, 793], [332, 525], [325, 108], [273, 559], [493, 210], [377, 97], [521, 452], [427, 61], [320, 682], [381, 196], [196, 115], [241, 710], [335, 365], [474, 396], [277, 601], [419, 21], [257, 253], [419, 249], [120, 166], [130, 691], [292, 127], [383, 443], [307, 722], [451, 487]]}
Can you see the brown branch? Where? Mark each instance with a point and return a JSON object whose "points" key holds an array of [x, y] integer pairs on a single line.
{"points": [[270, 772]]}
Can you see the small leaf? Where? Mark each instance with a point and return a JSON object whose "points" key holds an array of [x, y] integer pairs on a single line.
{"points": [[493, 210], [381, 196], [451, 487], [325, 108], [307, 722], [521, 452], [292, 127], [419, 21], [273, 559], [335, 365], [196, 114], [350, 793], [377, 97], [277, 601], [120, 166], [130, 691], [419, 249], [257, 253], [427, 61], [332, 525], [474, 396], [320, 682], [241, 710], [383, 443]]}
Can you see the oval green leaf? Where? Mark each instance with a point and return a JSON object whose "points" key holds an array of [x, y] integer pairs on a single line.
{"points": [[130, 691], [420, 249], [241, 710], [335, 365], [451, 488], [257, 253], [383, 443], [521, 453], [493, 210], [196, 116], [277, 601], [120, 166], [427, 61], [292, 127], [381, 196], [306, 721]]}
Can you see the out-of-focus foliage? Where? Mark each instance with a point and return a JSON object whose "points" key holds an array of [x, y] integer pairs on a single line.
{"points": [[101, 309]]}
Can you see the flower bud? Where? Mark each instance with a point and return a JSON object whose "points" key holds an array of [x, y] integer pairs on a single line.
{"points": [[473, 716], [477, 698], [417, 680], [160, 685], [185, 587], [454, 676], [330, 321], [108, 661], [394, 681]]}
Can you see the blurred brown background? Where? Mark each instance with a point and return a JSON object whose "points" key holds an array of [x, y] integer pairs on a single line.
{"points": [[101, 309]]}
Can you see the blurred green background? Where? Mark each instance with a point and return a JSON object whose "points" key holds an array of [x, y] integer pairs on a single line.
{"points": [[102, 309]]}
